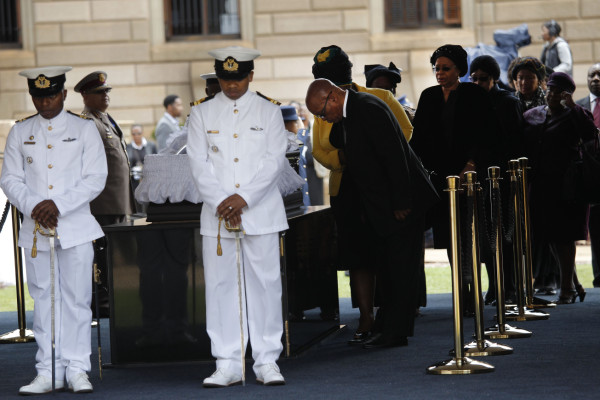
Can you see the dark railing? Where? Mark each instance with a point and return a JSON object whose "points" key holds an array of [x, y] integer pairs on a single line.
{"points": [[10, 28]]}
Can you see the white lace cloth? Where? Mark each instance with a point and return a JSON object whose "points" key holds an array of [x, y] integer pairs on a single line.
{"points": [[169, 177]]}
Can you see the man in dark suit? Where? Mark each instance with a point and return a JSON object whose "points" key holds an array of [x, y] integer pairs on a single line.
{"points": [[592, 103], [394, 191]]}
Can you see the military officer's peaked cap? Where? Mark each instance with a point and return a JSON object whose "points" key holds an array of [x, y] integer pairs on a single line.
{"points": [[94, 82], [234, 62], [45, 81], [210, 78]]}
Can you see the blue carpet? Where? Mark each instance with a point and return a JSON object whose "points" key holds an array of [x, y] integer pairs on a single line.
{"points": [[560, 361]]}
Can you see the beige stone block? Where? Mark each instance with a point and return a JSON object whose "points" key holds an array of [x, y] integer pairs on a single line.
{"points": [[11, 80], [95, 54], [74, 102], [582, 29], [580, 78], [340, 4], [162, 73], [140, 30], [118, 9], [191, 51], [47, 34], [590, 8], [596, 55], [263, 68], [533, 50], [485, 13], [263, 24], [356, 20], [292, 67], [143, 115], [94, 32], [540, 10], [582, 52], [116, 74], [283, 90], [421, 39], [420, 72], [307, 22], [58, 11], [13, 103], [17, 59], [311, 43], [138, 96], [268, 6]]}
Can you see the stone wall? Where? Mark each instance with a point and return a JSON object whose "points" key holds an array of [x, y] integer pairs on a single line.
{"points": [[126, 39]]}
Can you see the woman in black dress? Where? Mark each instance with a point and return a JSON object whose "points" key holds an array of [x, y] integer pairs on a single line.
{"points": [[553, 133]]}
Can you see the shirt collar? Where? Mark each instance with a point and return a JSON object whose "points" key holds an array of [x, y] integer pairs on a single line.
{"points": [[345, 103], [140, 147]]}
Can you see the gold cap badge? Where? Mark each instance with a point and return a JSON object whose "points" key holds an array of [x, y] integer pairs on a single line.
{"points": [[41, 82], [323, 56], [230, 65], [102, 78]]}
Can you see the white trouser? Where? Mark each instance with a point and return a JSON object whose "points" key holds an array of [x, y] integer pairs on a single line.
{"points": [[73, 316], [260, 265]]}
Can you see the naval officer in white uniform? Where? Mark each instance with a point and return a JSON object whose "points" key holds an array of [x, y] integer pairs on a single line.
{"points": [[54, 165], [236, 146]]}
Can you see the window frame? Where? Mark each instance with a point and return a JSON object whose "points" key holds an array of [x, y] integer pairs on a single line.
{"points": [[205, 35], [452, 15], [18, 43]]}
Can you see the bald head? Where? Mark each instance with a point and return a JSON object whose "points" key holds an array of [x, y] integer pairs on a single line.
{"points": [[323, 100]]}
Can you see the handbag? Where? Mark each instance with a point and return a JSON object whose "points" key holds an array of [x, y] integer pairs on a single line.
{"points": [[582, 178]]}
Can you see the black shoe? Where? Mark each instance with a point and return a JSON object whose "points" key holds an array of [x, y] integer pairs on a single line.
{"points": [[359, 338], [381, 340]]}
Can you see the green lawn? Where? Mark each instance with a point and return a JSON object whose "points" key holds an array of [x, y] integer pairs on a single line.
{"points": [[439, 280]]}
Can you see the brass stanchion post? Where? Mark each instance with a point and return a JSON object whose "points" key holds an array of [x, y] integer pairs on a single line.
{"points": [[521, 313], [21, 335], [459, 365], [501, 330], [480, 346], [530, 300]]}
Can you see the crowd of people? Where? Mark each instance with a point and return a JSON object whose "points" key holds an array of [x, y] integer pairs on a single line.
{"points": [[387, 165]]}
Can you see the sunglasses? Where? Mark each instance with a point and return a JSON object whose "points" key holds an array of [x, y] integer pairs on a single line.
{"points": [[475, 78], [445, 69], [322, 113]]}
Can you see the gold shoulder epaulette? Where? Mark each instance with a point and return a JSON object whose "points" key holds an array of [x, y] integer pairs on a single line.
{"points": [[26, 118], [78, 115], [202, 100], [268, 98]]}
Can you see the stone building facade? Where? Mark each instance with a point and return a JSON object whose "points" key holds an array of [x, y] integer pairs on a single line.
{"points": [[126, 38]]}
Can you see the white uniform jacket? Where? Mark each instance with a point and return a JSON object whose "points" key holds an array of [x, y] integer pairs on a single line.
{"points": [[61, 159], [238, 146]]}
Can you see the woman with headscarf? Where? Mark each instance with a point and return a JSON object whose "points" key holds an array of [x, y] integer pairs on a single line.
{"points": [[332, 63], [453, 132], [388, 78], [553, 134]]}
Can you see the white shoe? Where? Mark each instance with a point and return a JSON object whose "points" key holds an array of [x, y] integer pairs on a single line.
{"points": [[40, 385], [222, 378], [80, 383], [269, 375]]}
